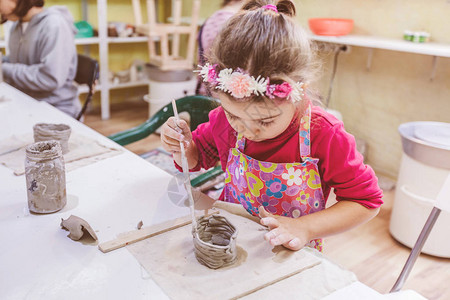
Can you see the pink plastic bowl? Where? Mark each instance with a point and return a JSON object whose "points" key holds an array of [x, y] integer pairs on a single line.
{"points": [[327, 26]]}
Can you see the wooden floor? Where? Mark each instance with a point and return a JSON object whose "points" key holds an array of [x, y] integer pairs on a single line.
{"points": [[369, 250], [124, 116]]}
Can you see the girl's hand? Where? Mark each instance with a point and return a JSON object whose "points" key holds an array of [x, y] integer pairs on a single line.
{"points": [[173, 132], [283, 231]]}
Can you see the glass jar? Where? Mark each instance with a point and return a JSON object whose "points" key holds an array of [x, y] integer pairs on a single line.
{"points": [[45, 177]]}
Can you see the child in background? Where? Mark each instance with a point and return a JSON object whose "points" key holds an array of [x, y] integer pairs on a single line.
{"points": [[282, 155], [43, 58], [209, 31]]}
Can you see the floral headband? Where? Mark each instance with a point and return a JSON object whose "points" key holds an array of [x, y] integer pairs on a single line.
{"points": [[240, 84]]}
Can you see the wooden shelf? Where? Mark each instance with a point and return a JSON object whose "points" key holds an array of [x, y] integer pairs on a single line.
{"points": [[82, 89], [128, 84], [110, 40], [433, 49], [87, 41], [187, 20], [122, 40]]}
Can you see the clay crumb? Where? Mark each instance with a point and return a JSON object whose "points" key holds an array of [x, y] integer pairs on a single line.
{"points": [[139, 225], [77, 228]]}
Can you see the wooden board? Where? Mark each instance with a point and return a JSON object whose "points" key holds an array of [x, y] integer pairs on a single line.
{"points": [[134, 236], [203, 202], [169, 259]]}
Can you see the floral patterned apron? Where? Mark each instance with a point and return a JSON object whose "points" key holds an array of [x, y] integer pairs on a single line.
{"points": [[285, 189]]}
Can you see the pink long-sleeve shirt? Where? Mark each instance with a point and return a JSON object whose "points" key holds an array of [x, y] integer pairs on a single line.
{"points": [[341, 166]]}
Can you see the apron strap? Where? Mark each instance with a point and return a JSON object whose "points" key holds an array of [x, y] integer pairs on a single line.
{"points": [[304, 134], [240, 142]]}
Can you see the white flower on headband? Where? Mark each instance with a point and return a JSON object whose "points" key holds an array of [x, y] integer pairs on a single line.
{"points": [[297, 92], [260, 85], [241, 85], [203, 71]]}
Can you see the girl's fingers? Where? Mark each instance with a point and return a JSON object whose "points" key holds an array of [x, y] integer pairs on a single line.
{"points": [[178, 130], [182, 124], [270, 222], [184, 129], [170, 129], [267, 219], [172, 149], [172, 133], [173, 144], [271, 234], [263, 213], [281, 239], [278, 236], [285, 239], [170, 144], [170, 141], [294, 244]]}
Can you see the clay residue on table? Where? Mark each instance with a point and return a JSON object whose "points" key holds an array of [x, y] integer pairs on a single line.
{"points": [[241, 257], [139, 225], [281, 254]]}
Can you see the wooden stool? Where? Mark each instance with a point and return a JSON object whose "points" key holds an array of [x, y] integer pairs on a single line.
{"points": [[168, 61]]}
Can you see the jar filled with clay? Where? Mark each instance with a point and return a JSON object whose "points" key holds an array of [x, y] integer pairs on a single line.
{"points": [[57, 132], [45, 177]]}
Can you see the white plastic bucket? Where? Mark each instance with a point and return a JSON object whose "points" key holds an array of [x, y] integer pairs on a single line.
{"points": [[417, 188], [162, 93]]}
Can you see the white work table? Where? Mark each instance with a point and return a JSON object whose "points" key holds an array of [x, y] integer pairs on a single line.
{"points": [[39, 261]]}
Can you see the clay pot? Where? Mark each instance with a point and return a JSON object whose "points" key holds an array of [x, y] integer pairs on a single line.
{"points": [[58, 132], [215, 242]]}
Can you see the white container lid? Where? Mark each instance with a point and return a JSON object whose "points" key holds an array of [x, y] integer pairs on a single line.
{"points": [[427, 142], [434, 133]]}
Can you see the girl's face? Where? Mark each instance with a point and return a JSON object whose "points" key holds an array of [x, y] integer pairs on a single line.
{"points": [[6, 9], [258, 121]]}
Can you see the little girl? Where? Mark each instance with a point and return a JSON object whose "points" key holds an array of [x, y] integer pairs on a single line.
{"points": [[281, 154]]}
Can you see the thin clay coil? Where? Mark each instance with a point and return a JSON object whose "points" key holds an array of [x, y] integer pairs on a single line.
{"points": [[215, 242]]}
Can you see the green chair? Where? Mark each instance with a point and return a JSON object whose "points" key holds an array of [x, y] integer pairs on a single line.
{"points": [[198, 108]]}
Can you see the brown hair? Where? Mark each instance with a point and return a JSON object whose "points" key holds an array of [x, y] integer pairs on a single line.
{"points": [[266, 43], [226, 2], [23, 6]]}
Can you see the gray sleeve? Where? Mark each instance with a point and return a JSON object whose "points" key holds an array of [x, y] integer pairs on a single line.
{"points": [[55, 49]]}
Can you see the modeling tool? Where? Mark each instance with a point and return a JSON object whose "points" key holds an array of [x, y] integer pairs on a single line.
{"points": [[185, 167]]}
